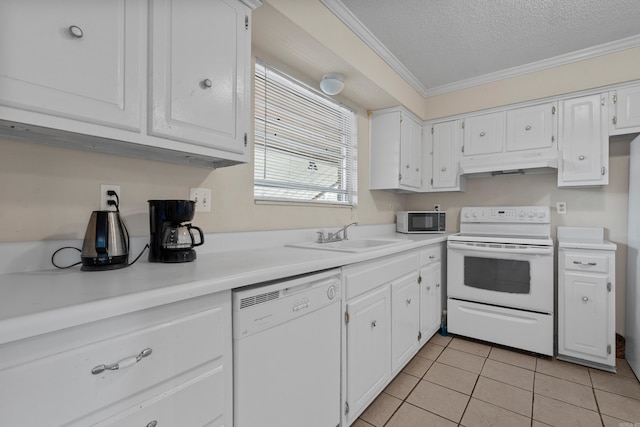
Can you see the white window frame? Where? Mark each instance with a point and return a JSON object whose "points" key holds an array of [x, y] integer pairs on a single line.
{"points": [[304, 143]]}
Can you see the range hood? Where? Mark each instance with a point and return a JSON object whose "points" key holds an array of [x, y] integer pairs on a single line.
{"points": [[509, 163]]}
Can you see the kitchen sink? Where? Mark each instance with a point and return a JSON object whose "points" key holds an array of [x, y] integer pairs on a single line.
{"points": [[355, 245]]}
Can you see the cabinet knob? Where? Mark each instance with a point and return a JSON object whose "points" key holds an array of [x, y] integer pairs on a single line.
{"points": [[580, 157], [207, 83], [437, 285], [482, 134], [527, 127], [76, 31], [153, 423], [408, 301], [428, 288], [443, 169], [585, 299], [407, 166], [373, 324]]}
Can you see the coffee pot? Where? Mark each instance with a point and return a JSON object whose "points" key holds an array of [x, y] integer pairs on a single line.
{"points": [[106, 242], [171, 240]]}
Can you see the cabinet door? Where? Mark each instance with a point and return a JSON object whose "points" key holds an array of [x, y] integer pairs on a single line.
{"points": [[430, 299], [200, 72], [405, 309], [626, 110], [368, 347], [410, 152], [584, 324], [446, 149], [75, 59], [484, 134], [584, 142], [531, 127]]}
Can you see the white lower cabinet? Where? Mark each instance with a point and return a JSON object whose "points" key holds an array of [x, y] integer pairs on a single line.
{"points": [[386, 310], [170, 365], [586, 305]]}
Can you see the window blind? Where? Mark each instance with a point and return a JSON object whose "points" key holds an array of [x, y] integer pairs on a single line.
{"points": [[304, 145]]}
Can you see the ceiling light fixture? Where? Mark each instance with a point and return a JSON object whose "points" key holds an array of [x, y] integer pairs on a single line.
{"points": [[332, 83]]}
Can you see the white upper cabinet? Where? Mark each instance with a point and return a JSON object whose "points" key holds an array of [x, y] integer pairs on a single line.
{"points": [[484, 134], [396, 151], [445, 156], [531, 128], [199, 86], [74, 59], [584, 142], [625, 110]]}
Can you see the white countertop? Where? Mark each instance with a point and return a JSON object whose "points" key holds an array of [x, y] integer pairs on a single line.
{"points": [[38, 302], [584, 238]]}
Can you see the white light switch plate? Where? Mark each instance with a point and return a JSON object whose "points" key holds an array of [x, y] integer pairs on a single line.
{"points": [[202, 197]]}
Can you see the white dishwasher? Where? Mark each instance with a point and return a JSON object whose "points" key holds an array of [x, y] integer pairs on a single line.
{"points": [[286, 352]]}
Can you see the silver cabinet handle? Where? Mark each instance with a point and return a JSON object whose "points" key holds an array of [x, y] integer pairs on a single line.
{"points": [[482, 134], [585, 263], [124, 363], [153, 423], [580, 157], [207, 83], [373, 324], [585, 299], [76, 31], [432, 257], [527, 127]]}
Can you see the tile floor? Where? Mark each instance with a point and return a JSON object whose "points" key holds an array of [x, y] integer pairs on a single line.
{"points": [[459, 382]]}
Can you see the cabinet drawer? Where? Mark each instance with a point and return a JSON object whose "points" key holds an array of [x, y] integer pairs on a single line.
{"points": [[66, 390], [593, 263], [367, 276], [431, 255], [168, 409]]}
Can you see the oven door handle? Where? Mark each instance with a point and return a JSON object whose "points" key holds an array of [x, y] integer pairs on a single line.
{"points": [[520, 250]]}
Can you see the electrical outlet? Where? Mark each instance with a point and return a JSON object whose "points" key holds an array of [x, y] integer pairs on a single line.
{"points": [[390, 207], [561, 208], [436, 207], [104, 197], [202, 197]]}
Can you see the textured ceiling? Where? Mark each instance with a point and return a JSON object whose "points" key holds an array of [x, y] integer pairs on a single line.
{"points": [[444, 42]]}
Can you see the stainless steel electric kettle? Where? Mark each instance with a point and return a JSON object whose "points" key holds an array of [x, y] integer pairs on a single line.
{"points": [[106, 242]]}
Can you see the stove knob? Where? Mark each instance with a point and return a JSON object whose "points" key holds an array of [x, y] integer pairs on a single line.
{"points": [[467, 215], [531, 214], [541, 214], [475, 214], [521, 214]]}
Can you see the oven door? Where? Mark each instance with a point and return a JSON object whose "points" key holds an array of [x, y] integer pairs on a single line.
{"points": [[515, 276]]}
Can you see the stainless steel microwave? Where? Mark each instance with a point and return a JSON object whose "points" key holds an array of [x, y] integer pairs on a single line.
{"points": [[421, 221]]}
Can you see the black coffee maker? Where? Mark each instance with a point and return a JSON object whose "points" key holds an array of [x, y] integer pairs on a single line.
{"points": [[171, 239]]}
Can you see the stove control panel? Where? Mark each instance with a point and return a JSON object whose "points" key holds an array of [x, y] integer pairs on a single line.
{"points": [[506, 214]]}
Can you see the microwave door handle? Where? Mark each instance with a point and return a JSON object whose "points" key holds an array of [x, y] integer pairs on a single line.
{"points": [[524, 251]]}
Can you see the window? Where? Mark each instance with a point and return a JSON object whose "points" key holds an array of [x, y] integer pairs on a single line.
{"points": [[305, 143]]}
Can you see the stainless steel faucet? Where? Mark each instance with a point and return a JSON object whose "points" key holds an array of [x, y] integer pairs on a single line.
{"points": [[334, 237]]}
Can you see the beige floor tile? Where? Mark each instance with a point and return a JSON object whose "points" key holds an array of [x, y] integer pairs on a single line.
{"points": [[560, 414], [615, 383], [417, 367], [430, 351], [615, 422], [451, 377], [472, 347], [401, 385], [535, 423], [379, 412], [361, 423], [412, 416], [566, 371], [509, 374], [482, 414], [440, 340], [566, 391], [513, 358], [504, 395], [618, 406], [462, 360], [441, 401], [623, 368]]}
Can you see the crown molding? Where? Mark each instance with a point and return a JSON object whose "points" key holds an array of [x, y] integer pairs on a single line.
{"points": [[351, 21]]}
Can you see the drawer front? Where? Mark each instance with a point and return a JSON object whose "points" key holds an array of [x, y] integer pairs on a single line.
{"points": [[431, 255], [203, 396], [66, 390], [361, 278], [587, 262]]}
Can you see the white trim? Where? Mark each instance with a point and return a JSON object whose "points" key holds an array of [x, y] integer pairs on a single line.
{"points": [[351, 21]]}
